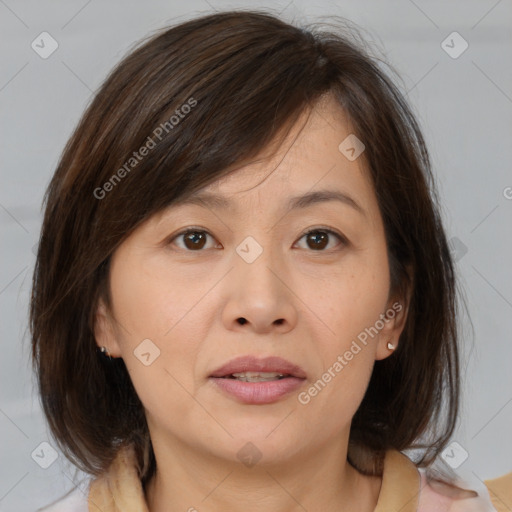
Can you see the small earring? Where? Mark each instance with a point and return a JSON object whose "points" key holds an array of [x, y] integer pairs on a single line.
{"points": [[105, 352], [391, 346]]}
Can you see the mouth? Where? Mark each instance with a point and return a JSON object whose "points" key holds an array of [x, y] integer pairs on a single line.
{"points": [[251, 367], [257, 376], [250, 380]]}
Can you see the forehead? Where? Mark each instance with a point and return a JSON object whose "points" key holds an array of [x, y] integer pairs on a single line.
{"points": [[307, 169], [311, 159]]}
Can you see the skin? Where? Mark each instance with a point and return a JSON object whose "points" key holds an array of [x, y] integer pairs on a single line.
{"points": [[187, 303]]}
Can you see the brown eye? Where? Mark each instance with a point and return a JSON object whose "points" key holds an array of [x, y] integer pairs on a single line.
{"points": [[195, 240], [319, 239], [192, 240]]}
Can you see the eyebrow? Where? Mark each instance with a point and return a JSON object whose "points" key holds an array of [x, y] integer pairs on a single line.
{"points": [[215, 201]]}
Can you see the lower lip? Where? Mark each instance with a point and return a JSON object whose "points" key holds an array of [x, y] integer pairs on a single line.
{"points": [[258, 392]]}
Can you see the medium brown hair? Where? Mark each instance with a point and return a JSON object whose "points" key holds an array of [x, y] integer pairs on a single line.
{"points": [[247, 76]]}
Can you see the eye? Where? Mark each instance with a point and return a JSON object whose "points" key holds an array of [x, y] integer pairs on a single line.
{"points": [[318, 239], [193, 239]]}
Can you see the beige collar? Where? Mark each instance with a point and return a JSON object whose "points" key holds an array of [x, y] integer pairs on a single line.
{"points": [[400, 490], [120, 489]]}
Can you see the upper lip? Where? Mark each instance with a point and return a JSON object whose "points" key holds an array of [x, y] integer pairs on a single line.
{"points": [[255, 364]]}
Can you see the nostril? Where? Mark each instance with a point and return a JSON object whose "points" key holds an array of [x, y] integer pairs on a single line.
{"points": [[242, 321], [279, 322]]}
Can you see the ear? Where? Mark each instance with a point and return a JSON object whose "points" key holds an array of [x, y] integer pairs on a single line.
{"points": [[104, 332], [394, 319]]}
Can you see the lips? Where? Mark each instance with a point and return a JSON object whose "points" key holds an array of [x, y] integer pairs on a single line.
{"points": [[258, 381], [253, 364]]}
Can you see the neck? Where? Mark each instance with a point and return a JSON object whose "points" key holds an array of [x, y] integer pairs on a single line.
{"points": [[323, 480]]}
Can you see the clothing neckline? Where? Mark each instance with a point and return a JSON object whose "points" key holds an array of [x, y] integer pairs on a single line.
{"points": [[401, 482]]}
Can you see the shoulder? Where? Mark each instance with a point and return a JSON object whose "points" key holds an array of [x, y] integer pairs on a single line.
{"points": [[500, 491], [74, 501], [441, 496]]}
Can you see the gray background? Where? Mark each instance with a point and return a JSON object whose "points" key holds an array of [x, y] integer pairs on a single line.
{"points": [[464, 106]]}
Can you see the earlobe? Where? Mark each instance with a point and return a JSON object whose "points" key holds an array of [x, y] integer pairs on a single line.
{"points": [[103, 331], [385, 348], [394, 323]]}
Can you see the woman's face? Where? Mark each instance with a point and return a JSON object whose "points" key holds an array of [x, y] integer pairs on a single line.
{"points": [[317, 301]]}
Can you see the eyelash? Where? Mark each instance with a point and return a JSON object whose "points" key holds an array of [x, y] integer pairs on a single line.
{"points": [[329, 231]]}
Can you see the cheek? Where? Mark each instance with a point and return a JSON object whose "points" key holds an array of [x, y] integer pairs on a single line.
{"points": [[350, 304], [160, 329], [160, 333], [151, 299], [354, 296]]}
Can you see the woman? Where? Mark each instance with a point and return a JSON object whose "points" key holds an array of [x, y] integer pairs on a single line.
{"points": [[243, 294]]}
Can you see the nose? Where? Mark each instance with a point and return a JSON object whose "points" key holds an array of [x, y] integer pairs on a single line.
{"points": [[258, 297]]}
